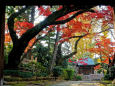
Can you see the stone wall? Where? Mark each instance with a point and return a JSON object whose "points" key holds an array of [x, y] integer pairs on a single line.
{"points": [[92, 77]]}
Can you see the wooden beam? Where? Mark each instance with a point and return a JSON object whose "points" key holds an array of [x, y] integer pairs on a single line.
{"points": [[2, 30]]}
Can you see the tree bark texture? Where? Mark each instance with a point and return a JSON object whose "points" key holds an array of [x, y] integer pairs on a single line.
{"points": [[15, 54]]}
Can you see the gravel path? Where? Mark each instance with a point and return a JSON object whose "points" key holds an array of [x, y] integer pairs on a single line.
{"points": [[79, 83]]}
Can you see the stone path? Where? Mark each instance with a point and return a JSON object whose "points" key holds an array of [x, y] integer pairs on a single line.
{"points": [[71, 83], [79, 83]]}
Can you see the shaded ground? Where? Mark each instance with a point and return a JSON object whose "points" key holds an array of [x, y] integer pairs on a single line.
{"points": [[58, 83], [79, 83], [32, 83]]}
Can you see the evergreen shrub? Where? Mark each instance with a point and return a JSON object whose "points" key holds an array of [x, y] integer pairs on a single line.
{"points": [[68, 74], [18, 73], [57, 71], [78, 78], [107, 77]]}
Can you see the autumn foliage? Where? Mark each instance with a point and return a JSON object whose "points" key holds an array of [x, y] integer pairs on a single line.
{"points": [[97, 67], [7, 36], [22, 27], [81, 61], [44, 11], [104, 48], [81, 24]]}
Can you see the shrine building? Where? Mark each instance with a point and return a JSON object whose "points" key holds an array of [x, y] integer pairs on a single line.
{"points": [[86, 69]]}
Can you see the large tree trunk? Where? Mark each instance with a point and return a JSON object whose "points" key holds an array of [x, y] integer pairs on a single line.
{"points": [[15, 54], [2, 27]]}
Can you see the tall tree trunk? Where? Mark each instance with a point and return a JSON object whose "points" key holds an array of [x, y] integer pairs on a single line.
{"points": [[15, 54], [55, 52], [59, 58], [2, 27], [32, 14], [49, 42]]}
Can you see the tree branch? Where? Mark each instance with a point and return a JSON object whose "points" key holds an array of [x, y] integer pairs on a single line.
{"points": [[11, 23], [70, 18], [59, 46], [75, 48], [76, 43], [112, 34], [49, 21], [39, 38], [78, 36]]}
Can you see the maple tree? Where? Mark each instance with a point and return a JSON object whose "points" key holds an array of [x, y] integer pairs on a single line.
{"points": [[105, 48], [21, 25], [105, 27], [20, 28], [97, 67], [60, 16], [19, 44], [81, 61], [85, 28], [74, 26], [94, 3]]}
